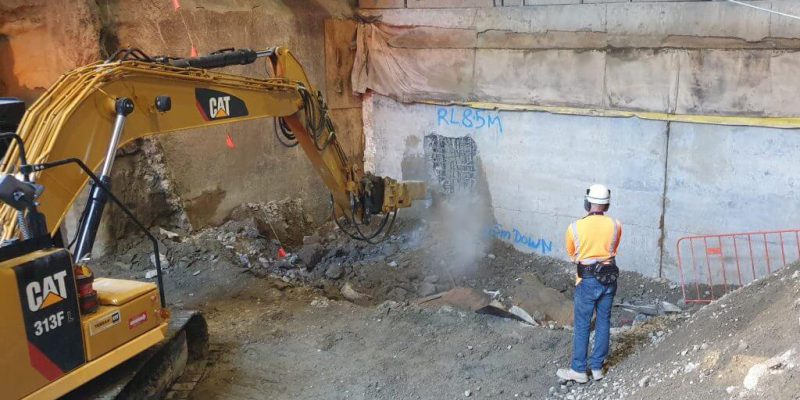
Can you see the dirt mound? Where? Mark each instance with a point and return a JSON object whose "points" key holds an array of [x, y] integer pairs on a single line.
{"points": [[742, 346]]}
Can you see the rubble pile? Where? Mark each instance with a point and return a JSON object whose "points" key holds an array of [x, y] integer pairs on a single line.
{"points": [[410, 264], [742, 346]]}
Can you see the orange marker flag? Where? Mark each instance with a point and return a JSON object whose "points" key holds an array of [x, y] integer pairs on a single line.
{"points": [[229, 141], [194, 52], [176, 4]]}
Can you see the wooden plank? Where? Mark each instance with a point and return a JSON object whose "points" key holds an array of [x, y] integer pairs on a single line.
{"points": [[350, 132], [340, 50]]}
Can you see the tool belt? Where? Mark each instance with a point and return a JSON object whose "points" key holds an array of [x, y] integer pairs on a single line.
{"points": [[606, 271]]}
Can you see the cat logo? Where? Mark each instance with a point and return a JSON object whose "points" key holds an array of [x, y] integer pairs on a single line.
{"points": [[50, 291], [219, 107], [214, 105]]}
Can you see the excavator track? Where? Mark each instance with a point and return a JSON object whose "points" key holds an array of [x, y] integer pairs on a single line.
{"points": [[152, 373]]}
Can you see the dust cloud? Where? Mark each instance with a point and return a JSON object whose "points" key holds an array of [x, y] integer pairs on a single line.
{"points": [[460, 222]]}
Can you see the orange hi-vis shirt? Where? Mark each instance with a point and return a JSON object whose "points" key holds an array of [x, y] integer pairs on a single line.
{"points": [[593, 238]]}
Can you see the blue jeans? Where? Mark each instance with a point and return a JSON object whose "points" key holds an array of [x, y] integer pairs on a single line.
{"points": [[591, 295]]}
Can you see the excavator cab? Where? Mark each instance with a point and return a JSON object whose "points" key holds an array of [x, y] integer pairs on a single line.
{"points": [[61, 328], [11, 112]]}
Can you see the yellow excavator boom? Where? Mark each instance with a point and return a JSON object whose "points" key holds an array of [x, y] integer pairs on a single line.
{"points": [[77, 118]]}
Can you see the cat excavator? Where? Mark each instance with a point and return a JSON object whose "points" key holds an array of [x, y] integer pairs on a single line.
{"points": [[61, 326]]}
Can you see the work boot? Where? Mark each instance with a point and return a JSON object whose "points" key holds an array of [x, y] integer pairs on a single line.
{"points": [[568, 374], [598, 374]]}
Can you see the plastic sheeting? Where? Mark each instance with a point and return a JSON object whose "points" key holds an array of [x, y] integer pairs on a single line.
{"points": [[410, 74]]}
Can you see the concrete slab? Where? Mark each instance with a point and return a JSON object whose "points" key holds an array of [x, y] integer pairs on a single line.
{"points": [[781, 100], [448, 3], [783, 27], [443, 18], [742, 89], [381, 3], [689, 18], [556, 77], [425, 37], [496, 39], [642, 79], [550, 2]]}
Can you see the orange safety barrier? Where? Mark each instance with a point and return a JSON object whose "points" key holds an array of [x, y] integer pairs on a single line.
{"points": [[724, 262]]}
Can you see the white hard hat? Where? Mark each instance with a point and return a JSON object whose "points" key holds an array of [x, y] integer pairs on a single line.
{"points": [[598, 194]]}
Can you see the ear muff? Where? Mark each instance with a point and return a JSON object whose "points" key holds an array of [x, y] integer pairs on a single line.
{"points": [[586, 205]]}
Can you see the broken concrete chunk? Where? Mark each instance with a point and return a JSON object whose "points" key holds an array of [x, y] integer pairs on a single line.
{"points": [[150, 274], [335, 271], [426, 289], [162, 258], [523, 315], [431, 279], [668, 307], [641, 309], [541, 301], [466, 299], [168, 234], [311, 239], [310, 255], [397, 293], [351, 294]]}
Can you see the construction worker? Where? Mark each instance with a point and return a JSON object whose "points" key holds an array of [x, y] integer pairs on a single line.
{"points": [[592, 243]]}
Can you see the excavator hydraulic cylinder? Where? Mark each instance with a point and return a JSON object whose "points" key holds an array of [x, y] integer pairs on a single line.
{"points": [[97, 198], [219, 59]]}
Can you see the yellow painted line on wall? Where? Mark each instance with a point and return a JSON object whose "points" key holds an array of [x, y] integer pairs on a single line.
{"points": [[766, 122]]}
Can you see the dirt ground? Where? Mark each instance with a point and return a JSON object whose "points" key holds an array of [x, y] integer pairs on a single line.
{"points": [[338, 319]]}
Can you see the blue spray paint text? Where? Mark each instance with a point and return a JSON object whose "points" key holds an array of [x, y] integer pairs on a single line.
{"points": [[470, 118], [516, 237]]}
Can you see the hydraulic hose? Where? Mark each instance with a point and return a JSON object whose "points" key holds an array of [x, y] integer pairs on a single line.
{"points": [[23, 225]]}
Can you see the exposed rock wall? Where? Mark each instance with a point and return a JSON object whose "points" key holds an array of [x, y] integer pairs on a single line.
{"points": [[193, 170]]}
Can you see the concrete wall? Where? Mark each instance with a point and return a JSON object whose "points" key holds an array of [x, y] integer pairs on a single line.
{"points": [[537, 166], [669, 180], [647, 56]]}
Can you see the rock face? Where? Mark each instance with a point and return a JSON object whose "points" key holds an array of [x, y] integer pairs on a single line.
{"points": [[41, 39]]}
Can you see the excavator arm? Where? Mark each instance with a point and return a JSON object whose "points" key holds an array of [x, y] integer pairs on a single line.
{"points": [[92, 111]]}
